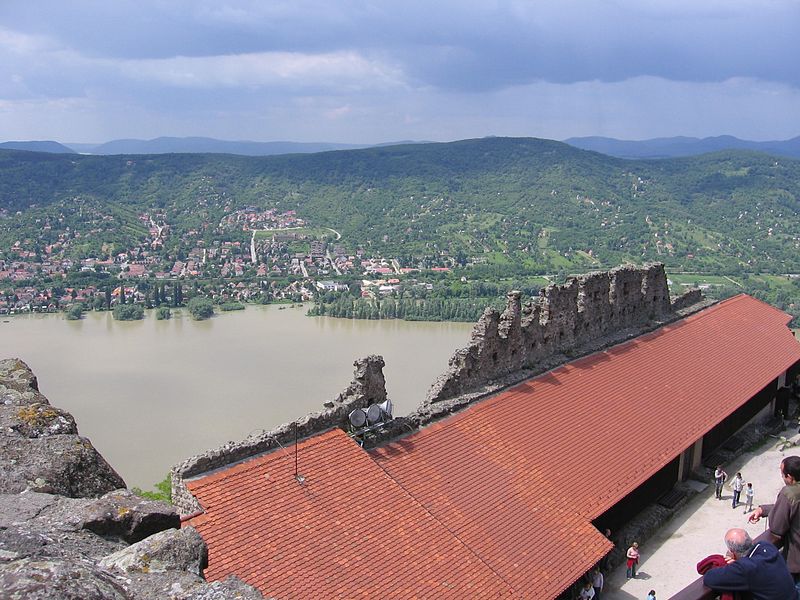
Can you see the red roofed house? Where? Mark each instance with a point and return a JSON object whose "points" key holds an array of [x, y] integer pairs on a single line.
{"points": [[507, 496]]}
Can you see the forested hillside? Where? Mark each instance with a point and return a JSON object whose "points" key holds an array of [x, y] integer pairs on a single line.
{"points": [[504, 205]]}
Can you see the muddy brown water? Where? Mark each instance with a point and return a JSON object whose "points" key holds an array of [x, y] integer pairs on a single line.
{"points": [[150, 393]]}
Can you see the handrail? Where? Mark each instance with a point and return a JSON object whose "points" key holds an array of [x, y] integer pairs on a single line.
{"points": [[697, 591]]}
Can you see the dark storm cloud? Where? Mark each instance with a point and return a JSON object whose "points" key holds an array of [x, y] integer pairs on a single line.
{"points": [[369, 71], [452, 45]]}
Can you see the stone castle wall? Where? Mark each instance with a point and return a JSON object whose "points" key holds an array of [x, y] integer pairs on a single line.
{"points": [[368, 387], [563, 319]]}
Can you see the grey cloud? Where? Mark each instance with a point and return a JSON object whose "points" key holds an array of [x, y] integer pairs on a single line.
{"points": [[368, 71], [449, 44]]}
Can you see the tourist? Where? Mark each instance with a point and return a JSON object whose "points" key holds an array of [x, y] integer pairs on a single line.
{"points": [[748, 497], [651, 595], [633, 560], [784, 515], [719, 480], [755, 568], [597, 582], [737, 485], [587, 591]]}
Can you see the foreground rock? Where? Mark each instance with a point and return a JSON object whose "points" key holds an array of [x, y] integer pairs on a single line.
{"points": [[68, 578], [171, 550], [69, 529], [40, 448]]}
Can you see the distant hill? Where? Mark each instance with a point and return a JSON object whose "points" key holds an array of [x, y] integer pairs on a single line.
{"points": [[514, 205], [682, 146], [43, 146], [195, 145]]}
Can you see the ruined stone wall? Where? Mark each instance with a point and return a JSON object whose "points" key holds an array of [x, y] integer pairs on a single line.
{"points": [[563, 319], [687, 299], [368, 387]]}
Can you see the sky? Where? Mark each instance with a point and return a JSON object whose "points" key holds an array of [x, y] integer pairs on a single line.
{"points": [[363, 72]]}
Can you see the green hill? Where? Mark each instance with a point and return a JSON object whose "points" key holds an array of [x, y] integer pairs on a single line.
{"points": [[508, 205]]}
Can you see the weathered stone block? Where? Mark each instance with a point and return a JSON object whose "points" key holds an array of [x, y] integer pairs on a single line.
{"points": [[170, 550], [58, 579]]}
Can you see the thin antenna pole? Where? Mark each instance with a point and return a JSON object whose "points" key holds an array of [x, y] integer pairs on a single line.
{"points": [[295, 450]]}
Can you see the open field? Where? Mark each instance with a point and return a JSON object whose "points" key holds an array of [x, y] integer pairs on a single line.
{"points": [[316, 233]]}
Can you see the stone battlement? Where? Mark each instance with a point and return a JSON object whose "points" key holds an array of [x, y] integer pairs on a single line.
{"points": [[562, 319]]}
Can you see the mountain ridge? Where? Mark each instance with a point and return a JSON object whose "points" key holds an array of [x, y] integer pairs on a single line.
{"points": [[678, 146], [38, 146], [522, 204]]}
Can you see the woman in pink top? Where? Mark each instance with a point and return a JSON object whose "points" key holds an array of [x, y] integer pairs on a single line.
{"points": [[633, 560]]}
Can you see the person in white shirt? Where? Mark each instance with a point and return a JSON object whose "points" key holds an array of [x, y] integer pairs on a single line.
{"points": [[737, 485], [748, 498], [597, 582], [587, 592]]}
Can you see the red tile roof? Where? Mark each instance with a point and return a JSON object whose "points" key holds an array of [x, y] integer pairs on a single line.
{"points": [[497, 499], [529, 468], [348, 531]]}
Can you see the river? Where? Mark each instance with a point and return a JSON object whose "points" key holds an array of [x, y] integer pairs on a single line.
{"points": [[150, 393]]}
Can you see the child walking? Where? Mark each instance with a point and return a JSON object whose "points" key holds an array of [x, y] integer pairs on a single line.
{"points": [[748, 498]]}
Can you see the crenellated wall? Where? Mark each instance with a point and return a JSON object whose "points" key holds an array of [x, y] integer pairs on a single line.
{"points": [[562, 319]]}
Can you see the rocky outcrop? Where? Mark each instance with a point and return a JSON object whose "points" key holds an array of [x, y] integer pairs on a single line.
{"points": [[40, 448], [67, 523], [58, 579], [34, 524], [170, 550], [230, 588], [79, 578], [368, 387], [169, 564]]}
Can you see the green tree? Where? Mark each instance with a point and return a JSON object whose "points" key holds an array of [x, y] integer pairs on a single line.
{"points": [[200, 308], [163, 490], [128, 312], [75, 312]]}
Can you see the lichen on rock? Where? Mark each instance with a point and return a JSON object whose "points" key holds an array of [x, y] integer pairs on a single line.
{"points": [[66, 519]]}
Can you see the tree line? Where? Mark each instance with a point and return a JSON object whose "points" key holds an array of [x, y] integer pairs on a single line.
{"points": [[408, 309]]}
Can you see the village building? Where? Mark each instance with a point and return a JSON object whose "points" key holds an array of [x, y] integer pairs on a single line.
{"points": [[562, 417]]}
